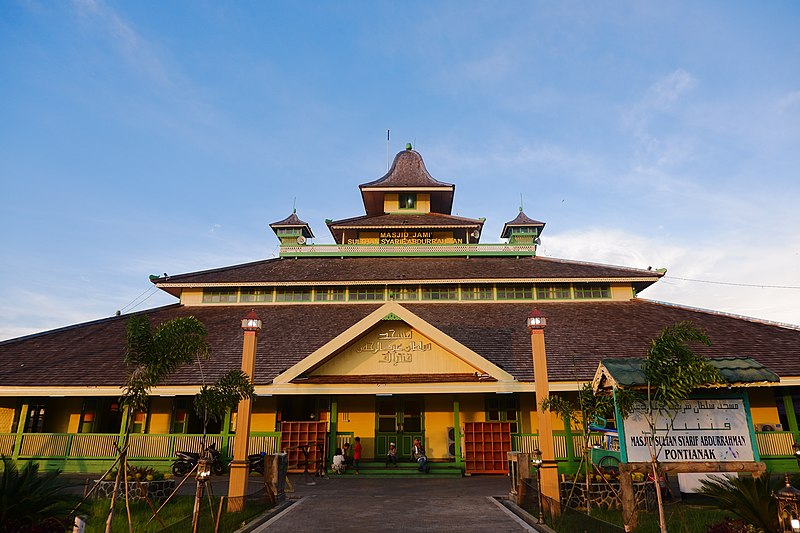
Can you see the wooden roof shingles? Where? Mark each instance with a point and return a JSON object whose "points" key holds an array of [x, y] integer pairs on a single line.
{"points": [[577, 337], [370, 269]]}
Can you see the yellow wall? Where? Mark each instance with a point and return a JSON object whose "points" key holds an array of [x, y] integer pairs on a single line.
{"points": [[8, 408], [192, 296], [438, 417], [391, 204], [368, 237], [763, 409], [160, 414], [63, 415], [263, 415], [357, 415], [472, 408], [621, 291]]}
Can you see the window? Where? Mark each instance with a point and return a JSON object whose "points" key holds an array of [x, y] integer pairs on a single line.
{"points": [[219, 295], [408, 201], [404, 293], [256, 294], [35, 421], [88, 416], [180, 415], [440, 292], [365, 294], [330, 294], [477, 292], [293, 294], [503, 408], [556, 291], [514, 292], [592, 290]]}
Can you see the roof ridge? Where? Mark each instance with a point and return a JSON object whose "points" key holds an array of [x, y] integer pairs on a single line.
{"points": [[593, 263], [88, 323], [784, 325], [218, 269]]}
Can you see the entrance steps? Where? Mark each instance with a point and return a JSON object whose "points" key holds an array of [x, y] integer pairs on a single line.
{"points": [[405, 469]]}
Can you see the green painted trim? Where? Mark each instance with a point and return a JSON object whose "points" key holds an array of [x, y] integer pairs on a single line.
{"points": [[226, 433], [568, 441], [123, 426], [791, 416], [623, 449], [457, 430], [751, 429], [391, 316], [410, 253], [23, 416], [333, 427]]}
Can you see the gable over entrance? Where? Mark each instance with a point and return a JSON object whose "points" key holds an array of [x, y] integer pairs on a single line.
{"points": [[393, 345]]}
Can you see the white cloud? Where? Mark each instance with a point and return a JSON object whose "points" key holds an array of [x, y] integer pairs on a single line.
{"points": [[124, 38], [789, 100], [727, 265]]}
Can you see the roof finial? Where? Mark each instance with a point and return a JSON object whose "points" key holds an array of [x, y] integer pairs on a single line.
{"points": [[520, 202], [294, 204], [408, 146]]}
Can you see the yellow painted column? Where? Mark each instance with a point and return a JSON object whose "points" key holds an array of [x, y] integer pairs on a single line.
{"points": [[549, 468], [239, 467]]}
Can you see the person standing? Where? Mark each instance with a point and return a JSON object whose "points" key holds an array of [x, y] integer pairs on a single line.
{"points": [[346, 453], [356, 453]]}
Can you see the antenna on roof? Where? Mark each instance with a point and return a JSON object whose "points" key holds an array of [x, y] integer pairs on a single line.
{"points": [[387, 150]]}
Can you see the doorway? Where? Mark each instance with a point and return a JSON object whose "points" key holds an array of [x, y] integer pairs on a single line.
{"points": [[400, 420]]}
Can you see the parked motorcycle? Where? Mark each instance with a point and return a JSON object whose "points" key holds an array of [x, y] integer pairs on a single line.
{"points": [[255, 462], [186, 462]]}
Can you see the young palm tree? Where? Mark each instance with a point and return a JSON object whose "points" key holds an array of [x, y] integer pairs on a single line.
{"points": [[151, 356], [29, 500]]}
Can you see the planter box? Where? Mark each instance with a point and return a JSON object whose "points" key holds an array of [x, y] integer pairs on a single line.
{"points": [[155, 490]]}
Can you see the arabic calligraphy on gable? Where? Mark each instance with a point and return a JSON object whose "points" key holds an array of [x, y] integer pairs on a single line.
{"points": [[701, 430], [393, 348]]}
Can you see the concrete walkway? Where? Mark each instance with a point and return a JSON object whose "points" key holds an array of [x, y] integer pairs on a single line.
{"points": [[361, 504]]}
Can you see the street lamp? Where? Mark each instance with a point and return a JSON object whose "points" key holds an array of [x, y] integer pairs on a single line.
{"points": [[788, 507], [237, 483], [536, 461], [536, 320], [203, 471]]}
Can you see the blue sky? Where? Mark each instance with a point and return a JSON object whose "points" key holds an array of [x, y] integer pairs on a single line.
{"points": [[150, 137]]}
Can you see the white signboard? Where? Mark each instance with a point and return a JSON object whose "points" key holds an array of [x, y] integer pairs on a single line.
{"points": [[702, 430]]}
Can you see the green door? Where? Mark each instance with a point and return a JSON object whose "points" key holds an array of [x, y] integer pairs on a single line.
{"points": [[399, 420]]}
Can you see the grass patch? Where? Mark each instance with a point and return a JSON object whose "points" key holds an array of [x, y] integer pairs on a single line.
{"points": [[681, 518], [176, 515]]}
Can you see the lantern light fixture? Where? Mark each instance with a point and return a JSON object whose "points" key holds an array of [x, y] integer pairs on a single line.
{"points": [[536, 320], [251, 322]]}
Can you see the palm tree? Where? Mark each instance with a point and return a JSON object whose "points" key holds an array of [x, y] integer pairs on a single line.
{"points": [[749, 498], [151, 356], [29, 500]]}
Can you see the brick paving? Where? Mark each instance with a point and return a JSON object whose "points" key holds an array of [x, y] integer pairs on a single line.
{"points": [[362, 504]]}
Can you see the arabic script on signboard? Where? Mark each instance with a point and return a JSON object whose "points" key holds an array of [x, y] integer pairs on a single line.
{"points": [[702, 430]]}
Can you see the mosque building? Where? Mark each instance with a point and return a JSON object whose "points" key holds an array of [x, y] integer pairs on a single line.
{"points": [[408, 327]]}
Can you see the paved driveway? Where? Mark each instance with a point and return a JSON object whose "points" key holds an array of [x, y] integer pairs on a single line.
{"points": [[353, 504]]}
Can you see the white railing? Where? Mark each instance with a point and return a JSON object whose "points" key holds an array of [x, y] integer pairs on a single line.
{"points": [[455, 249], [7, 444], [775, 443]]}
